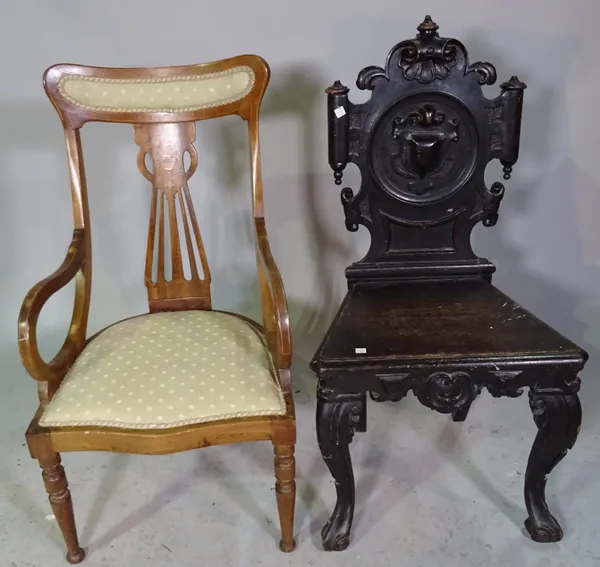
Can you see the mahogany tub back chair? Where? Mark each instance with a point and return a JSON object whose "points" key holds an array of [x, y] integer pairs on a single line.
{"points": [[184, 375]]}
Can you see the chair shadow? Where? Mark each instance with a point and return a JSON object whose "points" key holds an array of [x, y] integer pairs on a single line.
{"points": [[173, 491], [574, 313], [450, 444], [242, 495], [106, 488], [208, 466], [24, 490], [21, 500], [410, 474], [564, 193]]}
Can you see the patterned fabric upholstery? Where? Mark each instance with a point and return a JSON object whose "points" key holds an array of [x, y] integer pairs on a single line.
{"points": [[167, 370], [167, 94]]}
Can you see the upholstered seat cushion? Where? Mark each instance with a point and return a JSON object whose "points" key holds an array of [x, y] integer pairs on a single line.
{"points": [[167, 370]]}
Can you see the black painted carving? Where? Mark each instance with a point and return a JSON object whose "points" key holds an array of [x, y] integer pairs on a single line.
{"points": [[441, 391], [421, 314], [422, 156], [491, 203], [505, 383], [448, 392], [392, 387], [421, 167], [336, 422], [351, 209], [558, 418], [339, 120], [512, 95], [429, 57], [422, 149], [422, 143]]}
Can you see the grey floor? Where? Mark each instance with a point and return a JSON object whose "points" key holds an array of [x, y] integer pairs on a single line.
{"points": [[429, 493]]}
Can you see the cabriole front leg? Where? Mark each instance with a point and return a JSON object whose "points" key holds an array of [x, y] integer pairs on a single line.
{"points": [[558, 418], [336, 423]]}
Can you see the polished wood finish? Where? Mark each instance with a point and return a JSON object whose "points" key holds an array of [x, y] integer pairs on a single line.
{"points": [[166, 144], [59, 496], [274, 306], [76, 265], [421, 313], [285, 488], [74, 117], [505, 330], [165, 137]]}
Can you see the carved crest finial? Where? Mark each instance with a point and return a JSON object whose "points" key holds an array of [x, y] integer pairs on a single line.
{"points": [[428, 28]]}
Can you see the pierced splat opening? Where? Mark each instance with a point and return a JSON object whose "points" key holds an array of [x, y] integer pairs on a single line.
{"points": [[187, 161], [154, 229], [183, 228], [193, 249], [148, 165]]}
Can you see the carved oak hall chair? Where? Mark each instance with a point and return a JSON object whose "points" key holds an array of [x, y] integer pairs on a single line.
{"points": [[183, 376], [421, 312]]}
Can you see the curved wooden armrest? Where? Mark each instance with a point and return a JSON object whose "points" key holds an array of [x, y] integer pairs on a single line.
{"points": [[72, 266], [275, 310]]}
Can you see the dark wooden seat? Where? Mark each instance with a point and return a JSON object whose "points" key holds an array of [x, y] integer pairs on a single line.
{"points": [[421, 313], [439, 323]]}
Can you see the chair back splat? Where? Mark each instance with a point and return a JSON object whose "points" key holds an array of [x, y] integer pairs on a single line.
{"points": [[163, 105]]}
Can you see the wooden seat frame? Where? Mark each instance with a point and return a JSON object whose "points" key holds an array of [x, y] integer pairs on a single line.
{"points": [[163, 135]]}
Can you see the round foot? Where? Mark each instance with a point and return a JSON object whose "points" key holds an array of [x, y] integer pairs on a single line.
{"points": [[550, 532], [336, 543], [74, 557], [287, 547], [340, 543]]}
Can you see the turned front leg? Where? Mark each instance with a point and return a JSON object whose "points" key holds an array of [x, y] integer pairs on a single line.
{"points": [[285, 489], [59, 496], [558, 418], [336, 423]]}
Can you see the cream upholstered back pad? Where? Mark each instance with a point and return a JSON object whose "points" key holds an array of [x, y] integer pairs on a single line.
{"points": [[162, 94], [168, 370]]}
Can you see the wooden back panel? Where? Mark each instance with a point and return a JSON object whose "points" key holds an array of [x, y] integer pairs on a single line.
{"points": [[422, 143], [163, 105]]}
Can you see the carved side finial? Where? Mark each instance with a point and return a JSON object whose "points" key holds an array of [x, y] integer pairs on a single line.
{"points": [[337, 108], [337, 88], [427, 28], [514, 84], [512, 92]]}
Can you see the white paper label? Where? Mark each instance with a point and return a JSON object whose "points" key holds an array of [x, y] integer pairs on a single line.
{"points": [[360, 350], [340, 111]]}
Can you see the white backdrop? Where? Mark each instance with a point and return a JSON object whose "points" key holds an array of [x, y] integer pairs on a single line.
{"points": [[545, 244]]}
